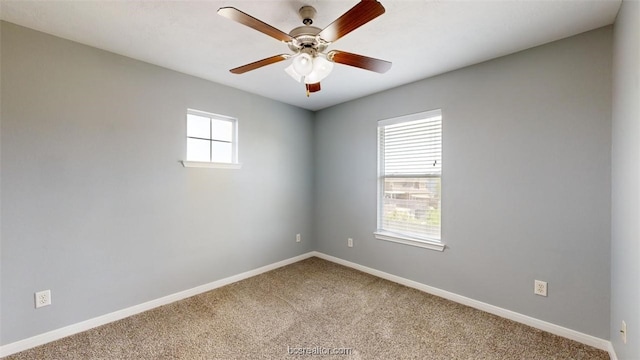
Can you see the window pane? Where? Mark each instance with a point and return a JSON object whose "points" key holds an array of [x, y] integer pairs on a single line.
{"points": [[412, 206], [198, 126], [221, 152], [221, 130], [198, 150]]}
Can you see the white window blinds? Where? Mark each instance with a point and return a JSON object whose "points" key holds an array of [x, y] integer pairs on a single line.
{"points": [[410, 165]]}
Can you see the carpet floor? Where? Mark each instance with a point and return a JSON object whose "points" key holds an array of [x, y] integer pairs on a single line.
{"points": [[313, 307]]}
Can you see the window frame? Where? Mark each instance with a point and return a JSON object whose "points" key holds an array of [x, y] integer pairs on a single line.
{"points": [[234, 164], [397, 237]]}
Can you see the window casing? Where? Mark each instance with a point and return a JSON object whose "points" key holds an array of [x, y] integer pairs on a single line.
{"points": [[212, 140], [409, 179]]}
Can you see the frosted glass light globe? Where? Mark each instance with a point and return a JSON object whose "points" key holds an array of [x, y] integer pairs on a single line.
{"points": [[303, 64], [321, 69], [292, 72]]}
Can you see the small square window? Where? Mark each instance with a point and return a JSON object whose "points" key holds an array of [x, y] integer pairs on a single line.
{"points": [[211, 139]]}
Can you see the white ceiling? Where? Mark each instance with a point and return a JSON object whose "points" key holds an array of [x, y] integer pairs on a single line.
{"points": [[422, 38]]}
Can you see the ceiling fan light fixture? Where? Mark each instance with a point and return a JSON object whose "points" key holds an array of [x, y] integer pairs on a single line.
{"points": [[321, 69], [303, 64]]}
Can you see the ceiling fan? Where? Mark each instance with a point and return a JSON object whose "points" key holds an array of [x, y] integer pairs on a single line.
{"points": [[310, 64]]}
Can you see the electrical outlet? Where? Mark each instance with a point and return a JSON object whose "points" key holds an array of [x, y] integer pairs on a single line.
{"points": [[540, 288], [350, 242], [298, 238], [43, 298], [623, 332]]}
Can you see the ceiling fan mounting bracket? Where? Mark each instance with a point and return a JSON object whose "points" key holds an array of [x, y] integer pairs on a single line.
{"points": [[307, 13]]}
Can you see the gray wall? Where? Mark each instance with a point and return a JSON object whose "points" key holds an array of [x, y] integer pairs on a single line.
{"points": [[625, 178], [96, 206], [526, 181]]}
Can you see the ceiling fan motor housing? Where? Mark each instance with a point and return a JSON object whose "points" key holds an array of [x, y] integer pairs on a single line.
{"points": [[306, 38]]}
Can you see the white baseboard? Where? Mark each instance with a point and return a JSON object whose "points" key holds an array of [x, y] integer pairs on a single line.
{"points": [[53, 335], [507, 314]]}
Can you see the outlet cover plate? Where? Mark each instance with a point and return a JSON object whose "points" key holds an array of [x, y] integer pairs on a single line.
{"points": [[43, 298], [540, 288]]}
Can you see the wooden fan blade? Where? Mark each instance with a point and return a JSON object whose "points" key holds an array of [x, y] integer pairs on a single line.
{"points": [[248, 20], [260, 63], [359, 61], [362, 13]]}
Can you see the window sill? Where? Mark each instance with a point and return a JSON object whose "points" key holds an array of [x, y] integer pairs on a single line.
{"points": [[210, 165], [426, 244]]}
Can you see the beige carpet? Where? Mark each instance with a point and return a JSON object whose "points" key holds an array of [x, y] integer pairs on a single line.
{"points": [[314, 306]]}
